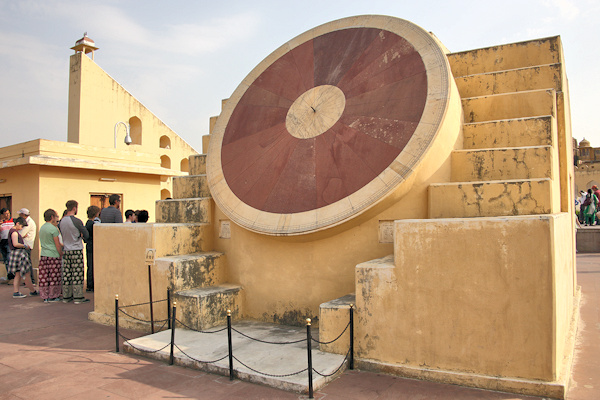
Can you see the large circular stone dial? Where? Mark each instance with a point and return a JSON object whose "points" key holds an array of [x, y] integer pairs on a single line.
{"points": [[327, 125]]}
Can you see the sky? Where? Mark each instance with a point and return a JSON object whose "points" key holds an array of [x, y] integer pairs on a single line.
{"points": [[181, 58]]}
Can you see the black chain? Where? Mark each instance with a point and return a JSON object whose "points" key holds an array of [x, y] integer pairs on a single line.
{"points": [[143, 350], [195, 359], [196, 330], [339, 336], [143, 304], [264, 341], [338, 368], [143, 320], [272, 375]]}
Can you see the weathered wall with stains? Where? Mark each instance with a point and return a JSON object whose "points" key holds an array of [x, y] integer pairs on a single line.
{"points": [[486, 305]]}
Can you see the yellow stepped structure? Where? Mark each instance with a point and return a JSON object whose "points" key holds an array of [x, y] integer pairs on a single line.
{"points": [[198, 280], [516, 296]]}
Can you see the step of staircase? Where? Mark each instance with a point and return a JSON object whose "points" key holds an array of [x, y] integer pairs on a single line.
{"points": [[514, 80], [534, 131], [506, 57], [193, 270], [500, 164], [190, 187], [206, 307], [171, 239], [525, 104], [491, 198], [184, 210], [197, 164]]}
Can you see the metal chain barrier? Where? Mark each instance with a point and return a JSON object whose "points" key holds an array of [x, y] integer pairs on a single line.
{"points": [[267, 342], [331, 341], [197, 330], [272, 375], [172, 312], [337, 369], [143, 304], [143, 350], [142, 320], [195, 359]]}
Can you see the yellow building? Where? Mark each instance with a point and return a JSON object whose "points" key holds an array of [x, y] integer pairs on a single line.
{"points": [[362, 161], [96, 161]]}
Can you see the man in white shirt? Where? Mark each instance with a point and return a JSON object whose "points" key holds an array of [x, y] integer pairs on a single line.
{"points": [[28, 233]]}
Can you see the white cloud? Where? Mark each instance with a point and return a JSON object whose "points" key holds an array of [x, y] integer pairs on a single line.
{"points": [[566, 9]]}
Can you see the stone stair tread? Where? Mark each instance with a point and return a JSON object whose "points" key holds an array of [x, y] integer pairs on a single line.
{"points": [[507, 70], [509, 94], [210, 290], [502, 148], [183, 257], [504, 119], [491, 182]]}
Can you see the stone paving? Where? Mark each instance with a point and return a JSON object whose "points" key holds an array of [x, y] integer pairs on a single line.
{"points": [[52, 351]]}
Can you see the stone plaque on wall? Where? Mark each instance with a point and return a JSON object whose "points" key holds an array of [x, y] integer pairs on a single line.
{"points": [[386, 231], [225, 229]]}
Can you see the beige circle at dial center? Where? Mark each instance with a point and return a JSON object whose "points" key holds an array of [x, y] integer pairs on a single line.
{"points": [[315, 111]]}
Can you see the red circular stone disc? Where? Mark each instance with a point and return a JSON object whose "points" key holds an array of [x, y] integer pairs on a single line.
{"points": [[265, 169], [385, 84]]}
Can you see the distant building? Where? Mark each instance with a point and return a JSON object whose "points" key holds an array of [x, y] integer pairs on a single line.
{"points": [[587, 165]]}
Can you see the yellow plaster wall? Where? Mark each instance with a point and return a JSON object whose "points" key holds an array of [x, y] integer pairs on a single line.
{"points": [[495, 298], [97, 102], [61, 184], [120, 267]]}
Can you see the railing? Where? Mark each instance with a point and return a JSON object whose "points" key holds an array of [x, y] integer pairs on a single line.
{"points": [[172, 322]]}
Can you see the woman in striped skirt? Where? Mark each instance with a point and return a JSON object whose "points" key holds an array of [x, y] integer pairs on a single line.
{"points": [[19, 262]]}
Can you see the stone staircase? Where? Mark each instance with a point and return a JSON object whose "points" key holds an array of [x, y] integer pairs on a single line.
{"points": [[198, 280], [505, 183]]}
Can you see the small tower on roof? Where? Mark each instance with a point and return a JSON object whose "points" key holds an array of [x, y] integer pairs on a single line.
{"points": [[85, 45]]}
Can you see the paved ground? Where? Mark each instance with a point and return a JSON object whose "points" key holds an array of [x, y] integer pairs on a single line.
{"points": [[52, 351]]}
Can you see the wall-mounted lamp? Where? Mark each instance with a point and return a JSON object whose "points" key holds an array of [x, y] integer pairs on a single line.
{"points": [[128, 140], [107, 179], [2, 180]]}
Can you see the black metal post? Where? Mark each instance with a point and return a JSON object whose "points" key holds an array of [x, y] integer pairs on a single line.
{"points": [[151, 305], [168, 308], [351, 357], [309, 350], [117, 322], [174, 317], [230, 345]]}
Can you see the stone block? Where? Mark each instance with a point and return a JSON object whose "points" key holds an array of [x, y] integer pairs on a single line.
{"points": [[334, 317], [212, 123], [532, 103], [504, 57], [193, 270], [190, 187], [203, 308], [493, 295], [588, 240], [205, 143], [490, 199], [184, 210], [502, 164], [198, 164], [536, 131], [514, 80]]}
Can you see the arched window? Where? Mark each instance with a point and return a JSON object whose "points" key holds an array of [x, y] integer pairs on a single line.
{"points": [[165, 194], [135, 130], [165, 162], [165, 142], [185, 165]]}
